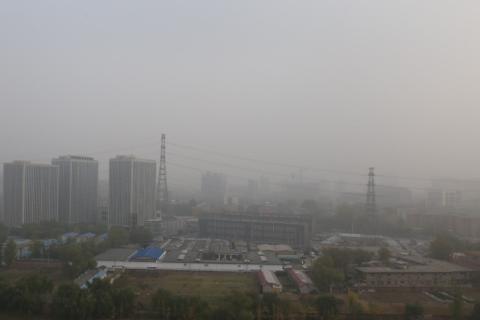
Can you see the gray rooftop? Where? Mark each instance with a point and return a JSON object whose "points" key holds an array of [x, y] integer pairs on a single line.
{"points": [[117, 254], [435, 266]]}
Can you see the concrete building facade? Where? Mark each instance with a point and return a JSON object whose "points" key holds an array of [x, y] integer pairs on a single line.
{"points": [[431, 275], [31, 192], [132, 190], [78, 189], [270, 229], [166, 226]]}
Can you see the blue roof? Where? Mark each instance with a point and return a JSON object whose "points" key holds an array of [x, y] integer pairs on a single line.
{"points": [[149, 252], [70, 235], [87, 235], [49, 242]]}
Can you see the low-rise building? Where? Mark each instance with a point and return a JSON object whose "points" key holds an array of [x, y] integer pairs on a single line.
{"points": [[68, 236], [302, 281], [251, 227], [89, 276], [269, 282], [166, 226], [430, 275], [85, 236], [148, 254], [24, 248], [279, 249]]}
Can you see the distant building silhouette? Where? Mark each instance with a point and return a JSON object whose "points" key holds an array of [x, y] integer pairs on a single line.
{"points": [[214, 188], [31, 192], [132, 190], [78, 189]]}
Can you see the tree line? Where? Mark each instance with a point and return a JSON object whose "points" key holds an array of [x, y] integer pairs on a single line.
{"points": [[76, 257], [36, 295]]}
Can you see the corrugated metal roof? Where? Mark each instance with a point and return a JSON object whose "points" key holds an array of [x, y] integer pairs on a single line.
{"points": [[149, 252], [269, 277], [300, 277]]}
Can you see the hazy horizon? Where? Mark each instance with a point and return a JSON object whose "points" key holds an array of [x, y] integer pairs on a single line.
{"points": [[336, 85]]}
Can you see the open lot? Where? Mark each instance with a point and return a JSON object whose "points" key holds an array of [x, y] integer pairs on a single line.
{"points": [[210, 286], [53, 271], [394, 301]]}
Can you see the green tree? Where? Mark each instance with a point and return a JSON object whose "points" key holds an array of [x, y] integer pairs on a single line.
{"points": [[124, 301], [194, 309], [456, 307], [141, 236], [441, 248], [71, 302], [3, 233], [327, 307], [103, 303], [354, 306], [270, 303], [32, 294], [444, 245], [325, 275], [475, 314], [169, 306], [37, 249], [43, 230], [235, 306], [344, 258], [162, 303], [76, 258], [118, 236], [10, 253], [384, 255], [5, 295], [413, 311]]}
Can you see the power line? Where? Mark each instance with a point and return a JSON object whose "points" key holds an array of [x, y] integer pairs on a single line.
{"points": [[288, 165], [312, 168], [229, 165], [250, 159]]}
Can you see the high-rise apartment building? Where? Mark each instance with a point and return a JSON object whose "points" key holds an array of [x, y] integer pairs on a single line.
{"points": [[78, 189], [132, 190], [30, 192]]}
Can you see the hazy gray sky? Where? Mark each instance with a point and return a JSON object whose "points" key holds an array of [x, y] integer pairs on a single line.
{"points": [[335, 84]]}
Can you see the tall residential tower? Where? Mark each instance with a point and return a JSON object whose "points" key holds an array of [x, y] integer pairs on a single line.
{"points": [[31, 192], [132, 190], [78, 189]]}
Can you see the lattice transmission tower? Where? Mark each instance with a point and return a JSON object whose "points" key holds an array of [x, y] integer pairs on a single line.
{"points": [[162, 187], [371, 205]]}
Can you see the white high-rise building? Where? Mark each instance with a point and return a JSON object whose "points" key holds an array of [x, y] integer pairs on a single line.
{"points": [[78, 189], [30, 192], [132, 190]]}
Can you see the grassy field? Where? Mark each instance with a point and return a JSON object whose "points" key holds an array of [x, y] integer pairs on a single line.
{"points": [[393, 302], [210, 286], [14, 273]]}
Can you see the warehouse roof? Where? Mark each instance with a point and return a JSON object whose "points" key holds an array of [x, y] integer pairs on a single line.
{"points": [[275, 247], [268, 277], [300, 277], [435, 266], [153, 253]]}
